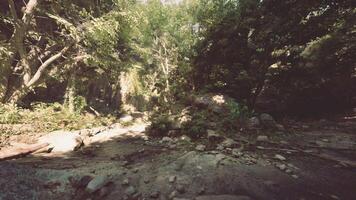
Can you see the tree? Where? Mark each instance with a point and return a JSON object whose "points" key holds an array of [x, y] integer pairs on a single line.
{"points": [[30, 74], [52, 39]]}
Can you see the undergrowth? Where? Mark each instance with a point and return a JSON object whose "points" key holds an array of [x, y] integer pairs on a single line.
{"points": [[50, 117]]}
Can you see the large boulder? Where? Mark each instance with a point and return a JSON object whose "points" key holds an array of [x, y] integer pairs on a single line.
{"points": [[126, 118], [62, 141], [253, 123], [267, 121], [214, 102]]}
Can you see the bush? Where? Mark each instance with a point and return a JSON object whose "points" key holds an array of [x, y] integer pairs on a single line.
{"points": [[160, 125], [50, 117], [9, 114]]}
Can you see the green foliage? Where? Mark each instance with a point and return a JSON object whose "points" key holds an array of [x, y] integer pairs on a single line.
{"points": [[50, 117], [160, 125], [296, 48], [162, 42], [9, 114], [238, 111], [80, 104], [197, 126]]}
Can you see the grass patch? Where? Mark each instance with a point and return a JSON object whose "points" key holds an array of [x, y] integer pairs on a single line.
{"points": [[50, 117]]}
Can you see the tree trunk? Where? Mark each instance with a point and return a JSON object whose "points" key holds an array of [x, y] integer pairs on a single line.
{"points": [[29, 80], [71, 92]]}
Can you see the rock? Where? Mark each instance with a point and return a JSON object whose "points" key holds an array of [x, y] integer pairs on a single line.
{"points": [[125, 182], [172, 179], [215, 103], [253, 123], [172, 146], [280, 157], [305, 127], [180, 188], [61, 141], [262, 138], [97, 183], [173, 194], [280, 127], [214, 137], [220, 147], [173, 133], [126, 118], [176, 125], [104, 191], [267, 121], [200, 147], [84, 181], [167, 140], [229, 143], [282, 167], [202, 101], [52, 185], [211, 132], [201, 190], [180, 198], [223, 197], [325, 140], [295, 176], [154, 194], [236, 153], [130, 191], [186, 138], [146, 180]]}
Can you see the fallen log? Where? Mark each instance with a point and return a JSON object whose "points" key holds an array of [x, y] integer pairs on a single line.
{"points": [[19, 152]]}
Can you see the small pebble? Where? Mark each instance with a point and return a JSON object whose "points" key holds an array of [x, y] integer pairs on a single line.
{"points": [[172, 179], [295, 176], [282, 167], [280, 157], [125, 181]]}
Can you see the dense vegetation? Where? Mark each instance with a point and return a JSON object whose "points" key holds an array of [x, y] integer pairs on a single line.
{"points": [[284, 56]]}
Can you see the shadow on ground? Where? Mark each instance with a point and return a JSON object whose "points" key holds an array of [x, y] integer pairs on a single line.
{"points": [[126, 165]]}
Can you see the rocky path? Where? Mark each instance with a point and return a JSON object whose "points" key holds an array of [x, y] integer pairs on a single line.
{"points": [[122, 163]]}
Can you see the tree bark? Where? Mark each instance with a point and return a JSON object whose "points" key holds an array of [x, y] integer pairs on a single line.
{"points": [[21, 27], [71, 92], [28, 85], [29, 80]]}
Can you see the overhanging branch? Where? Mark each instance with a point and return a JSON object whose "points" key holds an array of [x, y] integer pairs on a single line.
{"points": [[47, 63]]}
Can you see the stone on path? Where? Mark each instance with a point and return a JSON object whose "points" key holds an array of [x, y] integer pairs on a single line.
{"points": [[262, 138], [253, 123], [280, 157], [130, 191], [126, 118], [223, 197], [200, 147], [97, 183], [229, 143], [267, 120]]}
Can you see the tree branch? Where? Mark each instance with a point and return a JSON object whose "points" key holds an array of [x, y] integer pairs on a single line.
{"points": [[48, 62], [30, 7], [13, 10]]}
